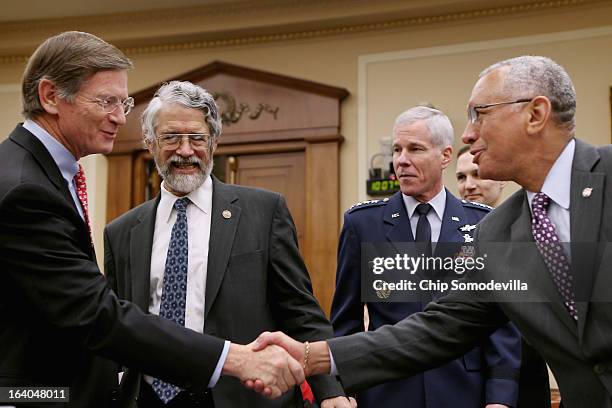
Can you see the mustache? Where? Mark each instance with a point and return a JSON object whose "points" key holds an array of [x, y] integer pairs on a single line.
{"points": [[176, 159]]}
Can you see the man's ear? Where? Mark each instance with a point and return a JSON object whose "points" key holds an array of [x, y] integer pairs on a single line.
{"points": [[447, 156], [148, 143], [48, 96], [540, 110]]}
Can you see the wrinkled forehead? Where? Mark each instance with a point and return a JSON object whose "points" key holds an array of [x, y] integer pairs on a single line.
{"points": [[489, 88]]}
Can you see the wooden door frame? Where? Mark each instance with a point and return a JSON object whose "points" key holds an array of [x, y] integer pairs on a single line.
{"points": [[322, 192]]}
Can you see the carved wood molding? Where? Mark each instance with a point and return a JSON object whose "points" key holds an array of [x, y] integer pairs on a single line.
{"points": [[233, 111]]}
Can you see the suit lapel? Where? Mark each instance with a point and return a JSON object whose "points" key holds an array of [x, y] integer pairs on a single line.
{"points": [[28, 141], [585, 223], [141, 244], [397, 222], [529, 262], [222, 234]]}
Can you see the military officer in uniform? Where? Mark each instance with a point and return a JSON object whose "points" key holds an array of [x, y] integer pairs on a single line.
{"points": [[423, 211]]}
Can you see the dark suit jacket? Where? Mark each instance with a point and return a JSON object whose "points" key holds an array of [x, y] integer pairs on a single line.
{"points": [[486, 374], [58, 317], [256, 279], [580, 355]]}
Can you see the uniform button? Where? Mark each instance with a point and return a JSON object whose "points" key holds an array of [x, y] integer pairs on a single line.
{"points": [[599, 369]]}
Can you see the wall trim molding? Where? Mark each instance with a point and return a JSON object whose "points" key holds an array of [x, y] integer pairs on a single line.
{"points": [[199, 39], [365, 60]]}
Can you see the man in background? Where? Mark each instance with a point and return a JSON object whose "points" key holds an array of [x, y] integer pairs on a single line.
{"points": [[534, 385], [424, 211], [60, 324], [216, 258]]}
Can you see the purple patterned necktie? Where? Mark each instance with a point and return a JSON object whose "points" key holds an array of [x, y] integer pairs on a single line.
{"points": [[174, 289], [555, 259]]}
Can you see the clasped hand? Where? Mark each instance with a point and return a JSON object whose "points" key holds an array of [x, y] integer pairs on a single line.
{"points": [[295, 353], [270, 365]]}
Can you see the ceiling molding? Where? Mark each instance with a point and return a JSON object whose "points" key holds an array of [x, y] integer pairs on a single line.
{"points": [[173, 29]]}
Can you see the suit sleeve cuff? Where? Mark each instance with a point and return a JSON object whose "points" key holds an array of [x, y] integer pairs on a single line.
{"points": [[217, 373], [333, 369]]}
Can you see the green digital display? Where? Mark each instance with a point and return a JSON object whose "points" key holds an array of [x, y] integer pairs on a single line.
{"points": [[382, 187]]}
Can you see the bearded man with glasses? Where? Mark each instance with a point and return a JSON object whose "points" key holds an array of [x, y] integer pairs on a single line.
{"points": [[239, 270]]}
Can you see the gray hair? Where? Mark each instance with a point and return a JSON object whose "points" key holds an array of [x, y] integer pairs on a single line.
{"points": [[188, 95], [540, 76], [68, 60], [438, 124]]}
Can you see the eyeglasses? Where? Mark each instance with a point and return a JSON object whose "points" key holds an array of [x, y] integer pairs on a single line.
{"points": [[110, 104], [172, 141], [473, 110]]}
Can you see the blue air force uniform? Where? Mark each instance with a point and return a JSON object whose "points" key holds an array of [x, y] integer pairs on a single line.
{"points": [[485, 375]]}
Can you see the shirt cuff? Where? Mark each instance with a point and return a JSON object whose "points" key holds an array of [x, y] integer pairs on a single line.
{"points": [[333, 370], [220, 364]]}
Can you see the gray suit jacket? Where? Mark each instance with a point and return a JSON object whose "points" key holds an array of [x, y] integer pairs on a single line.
{"points": [[580, 355], [256, 279]]}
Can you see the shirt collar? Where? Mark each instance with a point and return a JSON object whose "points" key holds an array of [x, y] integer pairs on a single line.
{"points": [[201, 197], [557, 182], [438, 203], [61, 155]]}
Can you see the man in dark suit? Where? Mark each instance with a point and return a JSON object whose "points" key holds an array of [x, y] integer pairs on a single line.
{"points": [[60, 324], [485, 376], [244, 272], [534, 386], [521, 128]]}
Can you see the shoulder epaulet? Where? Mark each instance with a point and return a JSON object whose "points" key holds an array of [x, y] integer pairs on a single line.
{"points": [[479, 206], [367, 204]]}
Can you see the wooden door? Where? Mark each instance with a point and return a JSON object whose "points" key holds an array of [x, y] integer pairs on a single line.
{"points": [[280, 172]]}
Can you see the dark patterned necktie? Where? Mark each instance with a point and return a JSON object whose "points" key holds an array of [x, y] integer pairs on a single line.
{"points": [[174, 290], [423, 231], [550, 247]]}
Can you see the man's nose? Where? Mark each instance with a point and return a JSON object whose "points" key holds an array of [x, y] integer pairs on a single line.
{"points": [[469, 134], [118, 116], [184, 148], [470, 183]]}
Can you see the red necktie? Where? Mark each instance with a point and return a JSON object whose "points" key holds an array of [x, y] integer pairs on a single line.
{"points": [[81, 188]]}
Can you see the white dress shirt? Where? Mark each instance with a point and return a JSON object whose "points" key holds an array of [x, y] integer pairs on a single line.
{"points": [[438, 204], [198, 233], [557, 187]]}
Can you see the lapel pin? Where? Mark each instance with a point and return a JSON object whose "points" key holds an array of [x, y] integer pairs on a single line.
{"points": [[586, 193], [394, 215], [455, 218], [227, 214]]}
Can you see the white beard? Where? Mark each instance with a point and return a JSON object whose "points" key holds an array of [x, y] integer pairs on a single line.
{"points": [[184, 183]]}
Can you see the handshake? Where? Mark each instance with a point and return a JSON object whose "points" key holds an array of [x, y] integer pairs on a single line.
{"points": [[274, 363]]}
